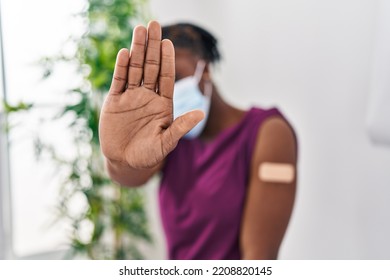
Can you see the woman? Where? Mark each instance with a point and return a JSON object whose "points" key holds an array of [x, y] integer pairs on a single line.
{"points": [[228, 176]]}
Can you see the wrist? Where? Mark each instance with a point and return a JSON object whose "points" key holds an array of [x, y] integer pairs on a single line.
{"points": [[113, 165]]}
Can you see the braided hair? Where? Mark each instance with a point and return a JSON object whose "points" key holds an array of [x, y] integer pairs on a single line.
{"points": [[194, 38]]}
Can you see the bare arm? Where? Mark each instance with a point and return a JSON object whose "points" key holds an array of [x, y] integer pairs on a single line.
{"points": [[270, 198], [136, 126]]}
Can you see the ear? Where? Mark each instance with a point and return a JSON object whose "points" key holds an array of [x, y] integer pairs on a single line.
{"points": [[206, 73], [206, 78]]}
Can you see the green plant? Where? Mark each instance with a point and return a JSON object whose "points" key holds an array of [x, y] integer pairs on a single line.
{"points": [[113, 219]]}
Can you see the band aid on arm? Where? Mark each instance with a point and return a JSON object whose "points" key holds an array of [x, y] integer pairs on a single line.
{"points": [[274, 172]]}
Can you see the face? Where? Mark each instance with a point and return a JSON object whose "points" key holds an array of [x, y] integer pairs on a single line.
{"points": [[186, 63], [187, 95]]}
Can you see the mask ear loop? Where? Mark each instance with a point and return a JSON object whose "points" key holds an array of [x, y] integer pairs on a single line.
{"points": [[208, 89], [199, 70], [200, 66]]}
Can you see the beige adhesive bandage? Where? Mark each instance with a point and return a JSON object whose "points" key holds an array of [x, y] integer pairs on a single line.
{"points": [[274, 172]]}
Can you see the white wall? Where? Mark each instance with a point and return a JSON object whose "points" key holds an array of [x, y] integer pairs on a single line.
{"points": [[4, 194], [32, 30], [312, 59]]}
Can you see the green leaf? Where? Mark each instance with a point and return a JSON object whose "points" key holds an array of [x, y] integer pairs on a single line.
{"points": [[21, 106]]}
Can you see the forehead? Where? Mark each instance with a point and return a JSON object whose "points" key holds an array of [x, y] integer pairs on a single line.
{"points": [[185, 62], [185, 55]]}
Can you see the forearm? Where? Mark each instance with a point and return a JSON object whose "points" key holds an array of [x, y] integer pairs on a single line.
{"points": [[127, 176]]}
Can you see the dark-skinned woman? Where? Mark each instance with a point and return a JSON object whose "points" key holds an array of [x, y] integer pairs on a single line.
{"points": [[228, 176]]}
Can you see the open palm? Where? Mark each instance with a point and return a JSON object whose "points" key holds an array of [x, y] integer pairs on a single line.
{"points": [[136, 123]]}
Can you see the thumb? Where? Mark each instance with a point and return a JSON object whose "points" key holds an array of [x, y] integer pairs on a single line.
{"points": [[181, 126]]}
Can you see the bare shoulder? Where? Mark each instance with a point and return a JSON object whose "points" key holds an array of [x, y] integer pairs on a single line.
{"points": [[276, 141]]}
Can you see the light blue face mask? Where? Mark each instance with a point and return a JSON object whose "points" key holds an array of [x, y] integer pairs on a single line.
{"points": [[187, 97]]}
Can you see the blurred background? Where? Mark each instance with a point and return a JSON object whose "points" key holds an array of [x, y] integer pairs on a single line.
{"points": [[318, 61]]}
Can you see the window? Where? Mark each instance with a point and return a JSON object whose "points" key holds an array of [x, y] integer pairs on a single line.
{"points": [[32, 30]]}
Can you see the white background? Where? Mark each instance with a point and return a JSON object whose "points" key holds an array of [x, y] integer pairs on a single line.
{"points": [[312, 59], [197, 269]]}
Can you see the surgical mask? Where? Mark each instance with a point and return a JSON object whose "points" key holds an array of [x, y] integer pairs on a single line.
{"points": [[187, 97]]}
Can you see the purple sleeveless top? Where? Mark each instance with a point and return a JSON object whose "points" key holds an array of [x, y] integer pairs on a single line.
{"points": [[203, 188]]}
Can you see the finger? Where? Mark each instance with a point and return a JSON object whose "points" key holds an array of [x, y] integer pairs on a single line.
{"points": [[180, 127], [137, 56], [153, 52], [119, 79], [166, 79]]}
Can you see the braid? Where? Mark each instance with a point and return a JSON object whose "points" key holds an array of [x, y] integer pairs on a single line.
{"points": [[194, 38]]}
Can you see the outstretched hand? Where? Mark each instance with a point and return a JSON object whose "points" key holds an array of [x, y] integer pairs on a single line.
{"points": [[136, 125]]}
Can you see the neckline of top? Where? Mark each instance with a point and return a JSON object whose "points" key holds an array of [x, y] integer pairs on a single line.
{"points": [[228, 129]]}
